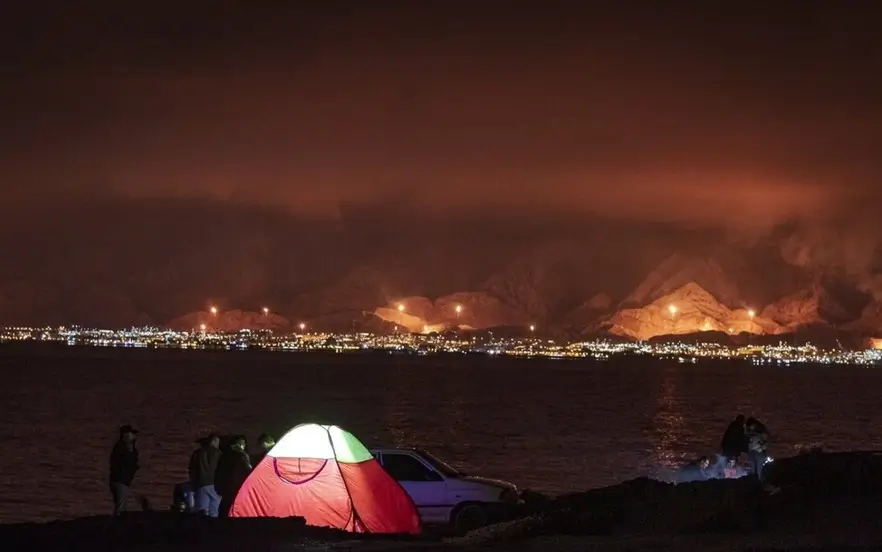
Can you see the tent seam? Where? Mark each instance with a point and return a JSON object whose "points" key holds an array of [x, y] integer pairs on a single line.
{"points": [[354, 513]]}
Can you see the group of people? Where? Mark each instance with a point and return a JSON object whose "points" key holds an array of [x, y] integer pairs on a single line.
{"points": [[742, 436], [748, 436], [215, 475]]}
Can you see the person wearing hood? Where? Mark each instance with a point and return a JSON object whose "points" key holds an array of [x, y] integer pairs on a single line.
{"points": [[124, 464], [232, 471], [734, 441], [757, 445]]}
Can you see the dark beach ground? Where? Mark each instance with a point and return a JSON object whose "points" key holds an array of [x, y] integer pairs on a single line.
{"points": [[826, 502]]}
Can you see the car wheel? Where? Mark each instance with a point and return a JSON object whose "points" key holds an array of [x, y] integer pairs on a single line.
{"points": [[469, 517]]}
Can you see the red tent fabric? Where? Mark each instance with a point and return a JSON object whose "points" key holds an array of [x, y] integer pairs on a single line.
{"points": [[324, 474]]}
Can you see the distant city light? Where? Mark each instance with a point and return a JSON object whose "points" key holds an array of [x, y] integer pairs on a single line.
{"points": [[672, 309], [458, 309], [751, 313], [213, 310], [430, 342], [400, 307], [265, 310]]}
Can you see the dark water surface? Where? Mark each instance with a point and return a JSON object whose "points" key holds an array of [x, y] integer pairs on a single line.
{"points": [[553, 426]]}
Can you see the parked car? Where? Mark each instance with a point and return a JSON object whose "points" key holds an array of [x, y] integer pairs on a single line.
{"points": [[445, 495]]}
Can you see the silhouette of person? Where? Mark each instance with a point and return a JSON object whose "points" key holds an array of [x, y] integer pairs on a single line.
{"points": [[124, 464]]}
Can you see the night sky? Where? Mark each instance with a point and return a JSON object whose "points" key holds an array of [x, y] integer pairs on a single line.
{"points": [[134, 133]]}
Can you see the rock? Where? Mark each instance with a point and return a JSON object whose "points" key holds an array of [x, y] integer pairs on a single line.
{"points": [[599, 302], [473, 311], [812, 306], [479, 310], [180, 532], [838, 494], [696, 310], [808, 486], [543, 282], [350, 321], [679, 270], [869, 323]]}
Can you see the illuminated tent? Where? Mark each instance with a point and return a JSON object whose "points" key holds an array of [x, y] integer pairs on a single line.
{"points": [[324, 474]]}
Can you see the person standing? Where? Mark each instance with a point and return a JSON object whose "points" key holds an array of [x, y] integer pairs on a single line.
{"points": [[232, 471], [757, 445], [734, 441], [203, 467], [264, 443], [123, 467]]}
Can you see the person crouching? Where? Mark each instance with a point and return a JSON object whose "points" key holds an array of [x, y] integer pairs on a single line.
{"points": [[698, 470]]}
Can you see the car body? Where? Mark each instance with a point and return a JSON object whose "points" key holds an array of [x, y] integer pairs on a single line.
{"points": [[445, 495]]}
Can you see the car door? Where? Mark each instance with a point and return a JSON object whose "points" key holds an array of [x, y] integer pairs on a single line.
{"points": [[426, 487]]}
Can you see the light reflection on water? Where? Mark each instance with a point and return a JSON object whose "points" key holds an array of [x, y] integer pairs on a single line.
{"points": [[551, 426], [669, 420]]}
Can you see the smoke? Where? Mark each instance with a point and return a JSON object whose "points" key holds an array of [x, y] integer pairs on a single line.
{"points": [[847, 249]]}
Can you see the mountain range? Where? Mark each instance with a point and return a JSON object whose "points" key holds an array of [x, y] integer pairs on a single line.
{"points": [[166, 262], [683, 295]]}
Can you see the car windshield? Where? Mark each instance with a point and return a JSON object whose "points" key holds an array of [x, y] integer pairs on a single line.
{"points": [[443, 467]]}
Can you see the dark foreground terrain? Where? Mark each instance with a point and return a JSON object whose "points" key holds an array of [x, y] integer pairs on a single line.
{"points": [[826, 501]]}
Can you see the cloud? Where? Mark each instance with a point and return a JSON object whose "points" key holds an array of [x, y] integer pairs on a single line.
{"points": [[564, 113], [252, 156]]}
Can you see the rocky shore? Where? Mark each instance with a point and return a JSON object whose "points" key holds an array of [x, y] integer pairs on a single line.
{"points": [[815, 501]]}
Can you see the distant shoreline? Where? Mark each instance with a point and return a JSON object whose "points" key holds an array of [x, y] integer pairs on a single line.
{"points": [[60, 348]]}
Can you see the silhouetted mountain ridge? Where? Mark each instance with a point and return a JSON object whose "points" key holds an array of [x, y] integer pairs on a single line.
{"points": [[115, 263]]}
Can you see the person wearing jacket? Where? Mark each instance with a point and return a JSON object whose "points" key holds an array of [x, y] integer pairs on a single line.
{"points": [[123, 467], [757, 445], [232, 470], [203, 468], [734, 441]]}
